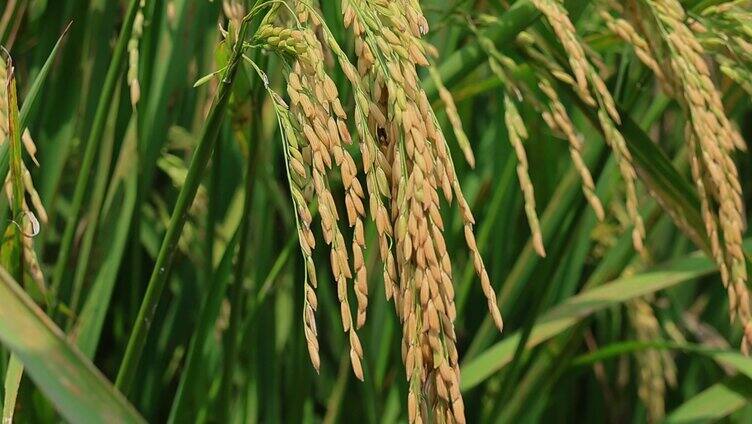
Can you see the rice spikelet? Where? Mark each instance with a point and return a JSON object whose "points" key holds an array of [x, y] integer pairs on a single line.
{"points": [[133, 54]]}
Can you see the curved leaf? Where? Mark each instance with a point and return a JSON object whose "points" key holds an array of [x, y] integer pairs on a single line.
{"points": [[76, 388], [578, 307], [715, 402]]}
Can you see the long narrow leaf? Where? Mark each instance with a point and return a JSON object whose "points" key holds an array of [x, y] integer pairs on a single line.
{"points": [[714, 403], [76, 388], [574, 309]]}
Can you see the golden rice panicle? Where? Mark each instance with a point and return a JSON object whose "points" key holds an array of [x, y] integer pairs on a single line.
{"points": [[417, 159], [715, 139], [720, 249], [298, 158], [368, 118], [625, 31], [335, 127], [318, 116], [299, 171], [517, 134], [593, 91], [557, 118], [554, 114], [725, 31], [314, 102], [709, 218], [558, 18], [624, 160]]}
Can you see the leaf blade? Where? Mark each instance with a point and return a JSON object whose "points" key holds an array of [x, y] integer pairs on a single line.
{"points": [[76, 388]]}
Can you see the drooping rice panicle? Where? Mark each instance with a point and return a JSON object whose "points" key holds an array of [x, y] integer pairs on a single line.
{"points": [[517, 134], [711, 222], [299, 173], [715, 140], [531, 44], [558, 18], [591, 88], [725, 31], [555, 75], [554, 113], [18, 182], [624, 30], [375, 164], [389, 48], [558, 119], [316, 109]]}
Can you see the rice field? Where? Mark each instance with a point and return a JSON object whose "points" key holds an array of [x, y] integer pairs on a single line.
{"points": [[380, 211]]}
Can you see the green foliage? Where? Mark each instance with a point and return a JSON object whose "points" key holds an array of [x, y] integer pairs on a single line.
{"points": [[173, 288]]}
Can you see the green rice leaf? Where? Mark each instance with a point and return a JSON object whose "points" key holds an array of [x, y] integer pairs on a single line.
{"points": [[77, 389]]}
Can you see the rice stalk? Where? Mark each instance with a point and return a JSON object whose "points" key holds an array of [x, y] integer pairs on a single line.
{"points": [[552, 110], [158, 278]]}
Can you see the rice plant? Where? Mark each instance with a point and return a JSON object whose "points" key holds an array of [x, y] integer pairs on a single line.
{"points": [[375, 211]]}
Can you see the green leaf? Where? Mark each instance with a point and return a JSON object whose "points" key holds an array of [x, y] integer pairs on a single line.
{"points": [[575, 308], [12, 383], [206, 78], [116, 216], [715, 402], [158, 279], [76, 388]]}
